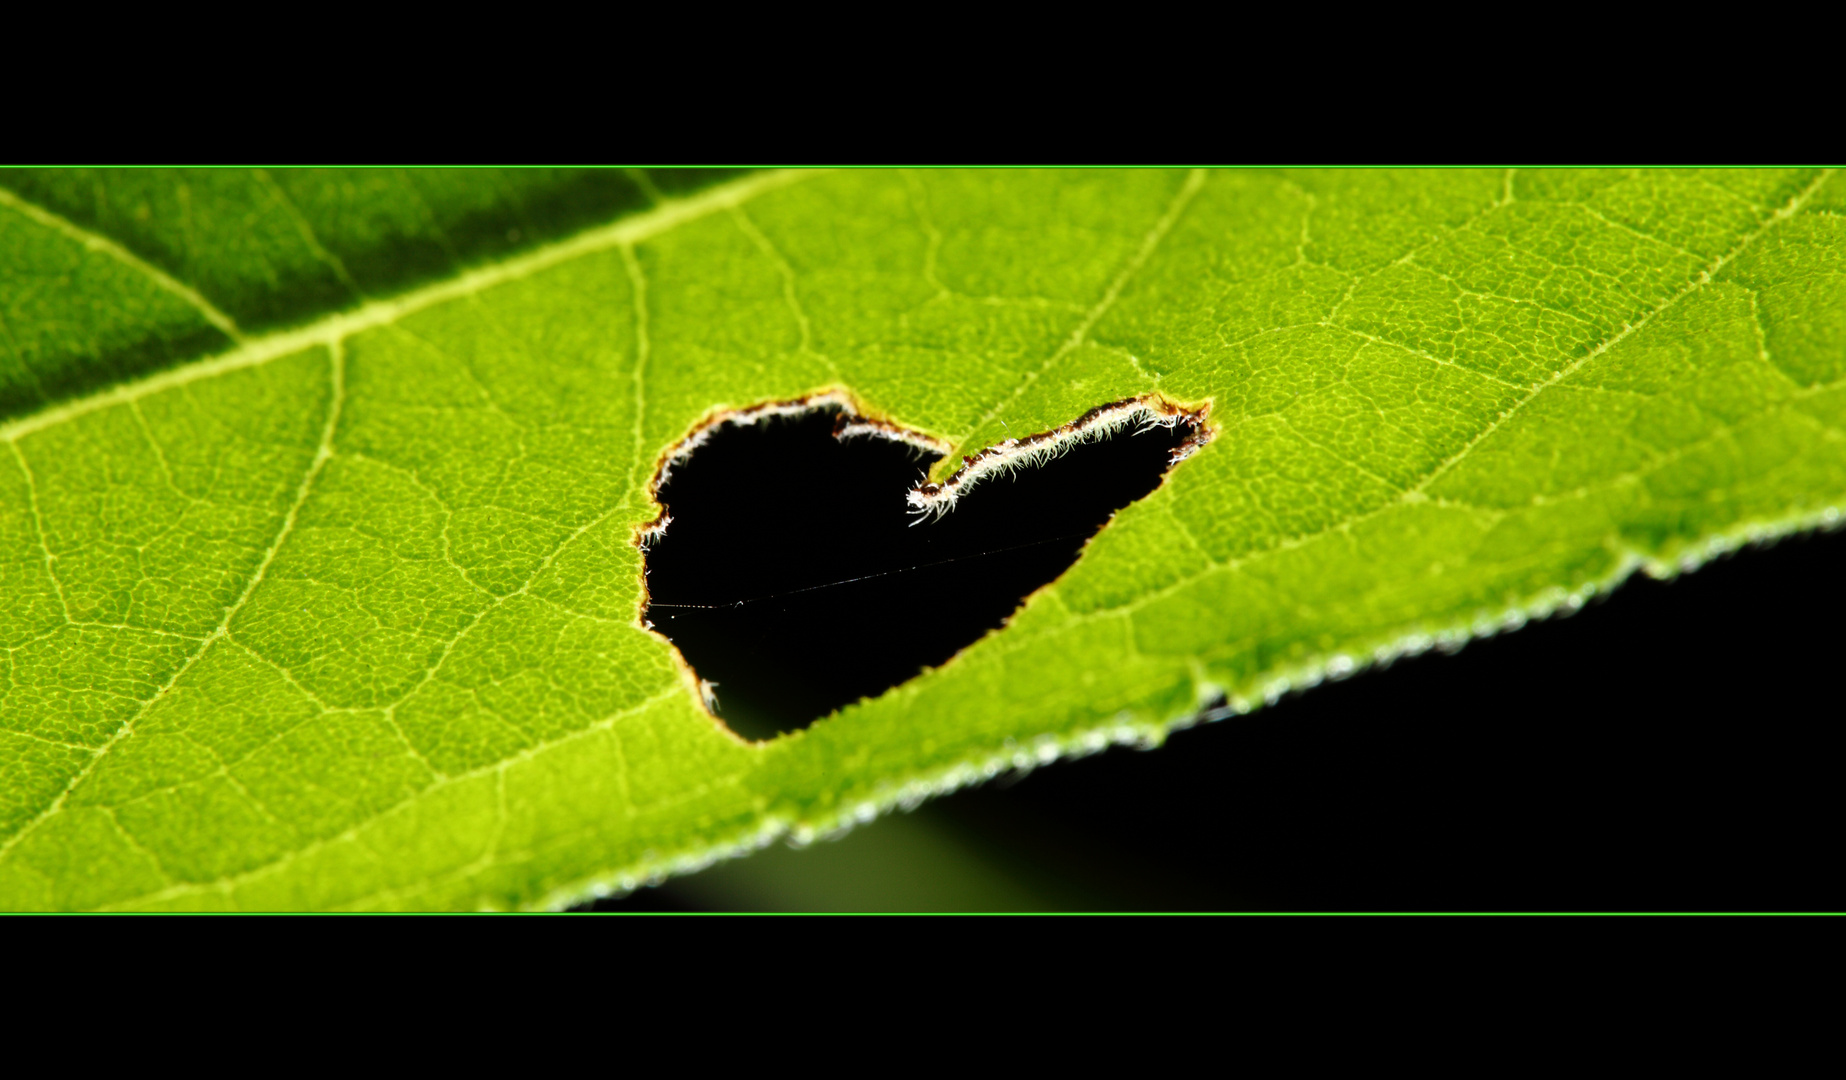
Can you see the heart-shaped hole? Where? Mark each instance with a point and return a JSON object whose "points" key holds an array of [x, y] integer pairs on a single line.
{"points": [[799, 568]]}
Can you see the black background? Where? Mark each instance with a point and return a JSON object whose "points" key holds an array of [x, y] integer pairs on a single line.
{"points": [[1675, 746]]}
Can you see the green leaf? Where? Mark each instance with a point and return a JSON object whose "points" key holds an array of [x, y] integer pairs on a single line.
{"points": [[318, 582]]}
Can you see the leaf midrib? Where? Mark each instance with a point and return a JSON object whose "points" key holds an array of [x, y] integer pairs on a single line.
{"points": [[331, 329]]}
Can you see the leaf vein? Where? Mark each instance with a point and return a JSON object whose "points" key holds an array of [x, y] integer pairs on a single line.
{"points": [[329, 329], [102, 245], [38, 524], [1195, 181], [322, 454], [1417, 491], [354, 831]]}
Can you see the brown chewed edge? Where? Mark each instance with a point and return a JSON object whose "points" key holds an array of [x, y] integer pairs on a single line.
{"points": [[926, 499], [853, 422]]}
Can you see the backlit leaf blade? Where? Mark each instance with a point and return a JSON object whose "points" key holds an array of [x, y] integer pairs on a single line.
{"points": [[345, 614]]}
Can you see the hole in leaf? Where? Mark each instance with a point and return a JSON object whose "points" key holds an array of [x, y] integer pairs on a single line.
{"points": [[795, 577]]}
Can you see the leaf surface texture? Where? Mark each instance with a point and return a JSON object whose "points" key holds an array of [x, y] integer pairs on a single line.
{"points": [[318, 583]]}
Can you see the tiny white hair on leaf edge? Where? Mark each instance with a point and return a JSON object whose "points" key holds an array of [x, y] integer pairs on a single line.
{"points": [[931, 501]]}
